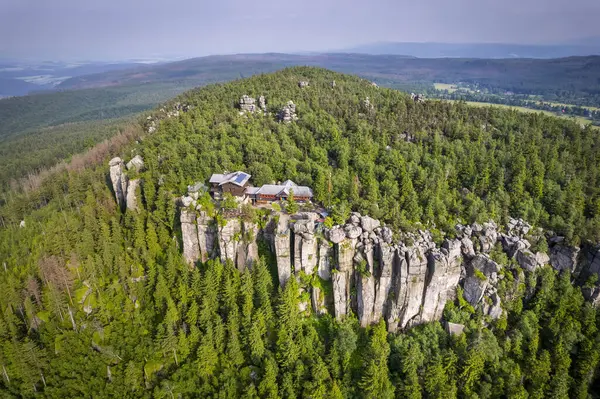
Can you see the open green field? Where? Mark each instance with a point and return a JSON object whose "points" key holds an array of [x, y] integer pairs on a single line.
{"points": [[529, 110], [570, 105], [445, 86]]}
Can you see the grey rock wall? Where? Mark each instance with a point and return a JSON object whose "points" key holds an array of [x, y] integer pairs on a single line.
{"points": [[405, 280]]}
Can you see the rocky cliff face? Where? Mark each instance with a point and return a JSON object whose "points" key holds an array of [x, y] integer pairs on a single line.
{"points": [[405, 279]]}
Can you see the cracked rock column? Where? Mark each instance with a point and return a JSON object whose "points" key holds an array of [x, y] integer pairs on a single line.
{"points": [[189, 236], [384, 285], [444, 274], [118, 179], [281, 242], [341, 278], [229, 236], [206, 237]]}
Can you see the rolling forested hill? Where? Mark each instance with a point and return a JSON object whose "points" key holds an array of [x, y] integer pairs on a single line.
{"points": [[98, 302], [127, 92]]}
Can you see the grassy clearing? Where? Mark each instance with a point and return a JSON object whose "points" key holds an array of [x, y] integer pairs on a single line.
{"points": [[445, 86], [570, 105], [577, 119]]}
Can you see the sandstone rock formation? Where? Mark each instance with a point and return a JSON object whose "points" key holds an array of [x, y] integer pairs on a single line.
{"points": [[152, 121], [247, 104], [288, 113], [454, 328], [191, 247], [404, 278], [262, 104], [125, 190], [418, 98], [118, 179], [282, 249], [136, 164], [563, 257], [131, 198]]}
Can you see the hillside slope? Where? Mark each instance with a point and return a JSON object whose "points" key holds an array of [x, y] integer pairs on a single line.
{"points": [[124, 93], [101, 302]]}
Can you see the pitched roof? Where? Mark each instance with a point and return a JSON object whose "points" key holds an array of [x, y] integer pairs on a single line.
{"points": [[281, 189], [237, 178]]}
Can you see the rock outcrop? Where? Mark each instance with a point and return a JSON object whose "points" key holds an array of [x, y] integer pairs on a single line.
{"points": [[189, 234], [563, 257], [207, 236], [118, 179], [288, 113], [125, 189], [454, 328], [136, 164], [281, 246], [262, 104], [131, 199], [443, 275], [247, 104], [362, 267], [153, 121], [305, 246], [418, 98]]}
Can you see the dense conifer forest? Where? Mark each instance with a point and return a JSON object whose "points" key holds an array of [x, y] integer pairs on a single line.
{"points": [[97, 302]]}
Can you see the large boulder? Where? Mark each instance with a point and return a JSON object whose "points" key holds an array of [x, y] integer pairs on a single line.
{"points": [[288, 113], [337, 234], [527, 260], [488, 237], [352, 231], [247, 104], [518, 227], [368, 223], [455, 328], [354, 218], [467, 248], [262, 104], [474, 288], [387, 235], [452, 249], [229, 237], [136, 164], [564, 257], [484, 264], [513, 244], [494, 310]]}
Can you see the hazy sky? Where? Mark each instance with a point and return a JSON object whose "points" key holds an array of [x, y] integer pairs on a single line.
{"points": [[116, 29]]}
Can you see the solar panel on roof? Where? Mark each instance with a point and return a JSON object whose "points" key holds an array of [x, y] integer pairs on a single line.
{"points": [[241, 177]]}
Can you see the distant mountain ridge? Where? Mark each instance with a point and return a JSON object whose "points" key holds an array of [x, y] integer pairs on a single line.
{"points": [[585, 47], [519, 75], [18, 78]]}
